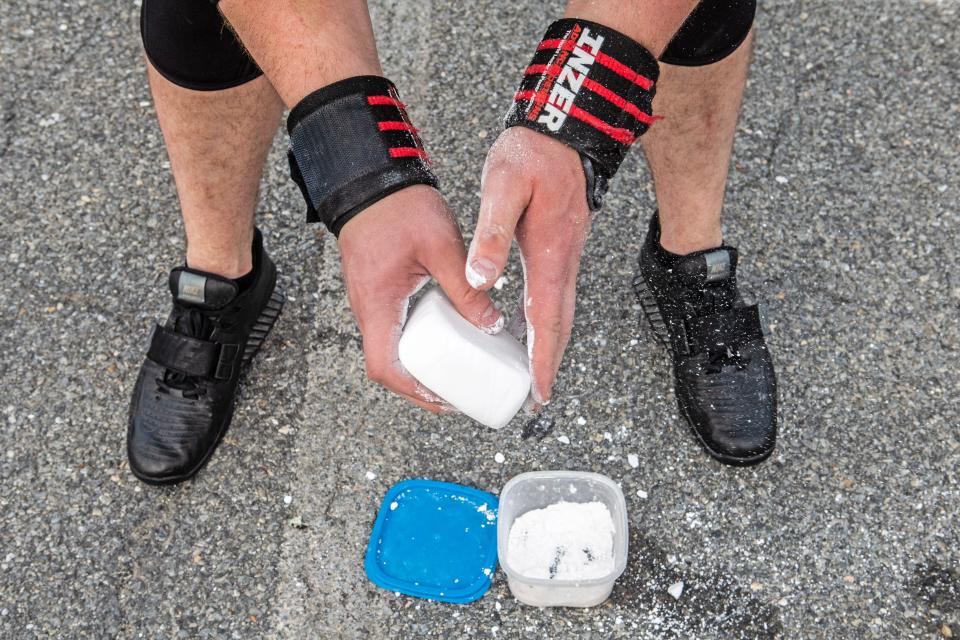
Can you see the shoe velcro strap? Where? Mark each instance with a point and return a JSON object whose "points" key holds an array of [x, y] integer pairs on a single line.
{"points": [[727, 329], [192, 356]]}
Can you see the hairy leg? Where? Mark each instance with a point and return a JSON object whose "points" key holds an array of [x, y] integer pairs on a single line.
{"points": [[217, 142], [652, 23], [689, 151], [322, 41]]}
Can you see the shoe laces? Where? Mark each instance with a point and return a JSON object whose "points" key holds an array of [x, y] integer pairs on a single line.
{"points": [[715, 299], [724, 356]]}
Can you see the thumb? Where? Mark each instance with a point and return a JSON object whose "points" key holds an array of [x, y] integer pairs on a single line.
{"points": [[476, 306], [503, 200]]}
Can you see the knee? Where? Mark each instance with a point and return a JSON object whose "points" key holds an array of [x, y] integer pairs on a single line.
{"points": [[189, 43], [714, 30]]}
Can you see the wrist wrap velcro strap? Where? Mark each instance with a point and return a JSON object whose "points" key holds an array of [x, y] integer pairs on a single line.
{"points": [[590, 87], [351, 144]]}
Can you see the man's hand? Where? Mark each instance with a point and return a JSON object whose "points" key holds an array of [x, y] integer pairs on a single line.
{"points": [[390, 251], [533, 187]]}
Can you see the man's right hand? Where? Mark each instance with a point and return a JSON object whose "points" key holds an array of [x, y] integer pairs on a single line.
{"points": [[388, 252], [533, 187]]}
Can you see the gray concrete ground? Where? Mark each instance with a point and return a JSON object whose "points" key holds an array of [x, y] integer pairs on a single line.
{"points": [[843, 203]]}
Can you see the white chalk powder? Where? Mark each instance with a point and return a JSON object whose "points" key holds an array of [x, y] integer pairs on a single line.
{"points": [[564, 541], [474, 278]]}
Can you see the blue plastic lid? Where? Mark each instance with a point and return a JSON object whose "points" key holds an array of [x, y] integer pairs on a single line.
{"points": [[434, 540]]}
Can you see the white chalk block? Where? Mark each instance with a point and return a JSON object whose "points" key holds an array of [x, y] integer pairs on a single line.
{"points": [[486, 377]]}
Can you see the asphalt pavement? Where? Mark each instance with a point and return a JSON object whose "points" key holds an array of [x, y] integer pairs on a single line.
{"points": [[843, 202]]}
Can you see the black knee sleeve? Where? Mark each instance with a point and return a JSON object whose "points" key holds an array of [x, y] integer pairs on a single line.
{"points": [[190, 44], [712, 32]]}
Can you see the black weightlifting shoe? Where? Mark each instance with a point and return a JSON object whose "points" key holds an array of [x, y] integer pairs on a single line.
{"points": [[723, 374], [183, 400]]}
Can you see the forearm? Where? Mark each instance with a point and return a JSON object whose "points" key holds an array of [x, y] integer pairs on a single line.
{"points": [[303, 45], [652, 23]]}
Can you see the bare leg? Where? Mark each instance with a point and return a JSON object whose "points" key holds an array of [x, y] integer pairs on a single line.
{"points": [[218, 143], [322, 41], [689, 151], [652, 23]]}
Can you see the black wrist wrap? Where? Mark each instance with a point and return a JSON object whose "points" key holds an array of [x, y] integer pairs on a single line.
{"points": [[590, 87], [351, 144]]}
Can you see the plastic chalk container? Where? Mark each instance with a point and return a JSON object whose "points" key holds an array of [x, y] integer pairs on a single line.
{"points": [[434, 540], [539, 489], [487, 377]]}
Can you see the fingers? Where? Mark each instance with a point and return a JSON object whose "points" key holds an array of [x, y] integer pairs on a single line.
{"points": [[549, 320], [504, 198], [445, 262], [381, 334], [549, 305]]}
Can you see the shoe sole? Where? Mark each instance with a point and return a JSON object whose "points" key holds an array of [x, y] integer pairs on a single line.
{"points": [[261, 329], [651, 310]]}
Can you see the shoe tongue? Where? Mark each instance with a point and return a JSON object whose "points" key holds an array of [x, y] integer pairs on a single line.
{"points": [[708, 267], [200, 289]]}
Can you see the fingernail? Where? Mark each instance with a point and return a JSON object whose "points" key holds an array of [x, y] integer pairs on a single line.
{"points": [[492, 321], [531, 407], [539, 399], [480, 271]]}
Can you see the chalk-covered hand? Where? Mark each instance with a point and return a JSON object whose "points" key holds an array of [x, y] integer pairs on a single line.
{"points": [[533, 188], [388, 252]]}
